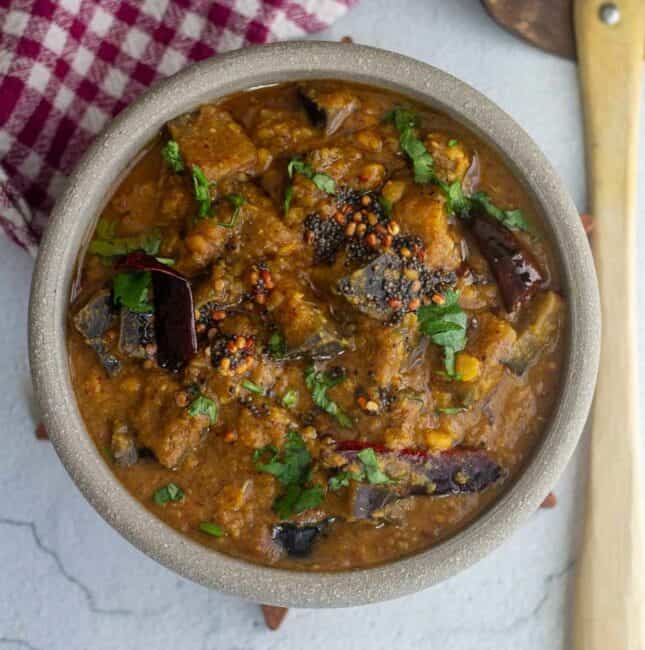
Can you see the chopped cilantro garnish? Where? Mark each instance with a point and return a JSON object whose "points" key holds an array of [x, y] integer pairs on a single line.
{"points": [[106, 244], [201, 190], [318, 382], [297, 499], [458, 203], [386, 206], [292, 467], [422, 164], [172, 156], [372, 470], [288, 195], [290, 398], [343, 478], [167, 493], [453, 143], [132, 290], [215, 530], [252, 387], [322, 181], [452, 410], [445, 325], [236, 201], [168, 261], [203, 405], [512, 219], [277, 345]]}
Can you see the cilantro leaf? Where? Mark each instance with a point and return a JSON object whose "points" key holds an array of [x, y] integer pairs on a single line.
{"points": [[445, 325], [252, 387], [322, 181], [291, 465], [203, 405], [131, 290], [318, 382], [277, 345], [167, 493], [402, 118], [288, 195], [405, 122], [299, 166], [453, 143], [236, 201], [290, 398], [172, 156], [386, 206], [512, 219], [451, 410], [343, 478], [215, 530], [297, 499], [106, 244], [458, 203], [372, 470], [201, 190]]}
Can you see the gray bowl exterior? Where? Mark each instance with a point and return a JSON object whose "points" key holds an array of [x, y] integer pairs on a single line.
{"points": [[72, 223]]}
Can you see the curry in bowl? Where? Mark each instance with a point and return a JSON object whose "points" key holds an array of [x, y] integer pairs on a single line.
{"points": [[317, 326]]}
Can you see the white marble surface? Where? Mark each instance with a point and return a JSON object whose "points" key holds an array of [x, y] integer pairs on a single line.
{"points": [[68, 581]]}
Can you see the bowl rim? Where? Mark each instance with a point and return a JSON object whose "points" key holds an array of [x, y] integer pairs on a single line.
{"points": [[106, 160]]}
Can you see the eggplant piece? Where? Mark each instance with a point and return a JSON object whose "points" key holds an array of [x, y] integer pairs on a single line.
{"points": [[326, 109], [321, 346], [457, 471], [123, 446], [514, 268], [297, 540], [385, 290], [137, 331], [93, 321], [546, 313], [174, 318]]}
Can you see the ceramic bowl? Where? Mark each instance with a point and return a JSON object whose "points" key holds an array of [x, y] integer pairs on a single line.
{"points": [[74, 218]]}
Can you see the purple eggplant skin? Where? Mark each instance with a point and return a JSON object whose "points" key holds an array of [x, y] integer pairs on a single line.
{"points": [[297, 540], [514, 268], [136, 332], [93, 321], [457, 471], [326, 109], [174, 310]]}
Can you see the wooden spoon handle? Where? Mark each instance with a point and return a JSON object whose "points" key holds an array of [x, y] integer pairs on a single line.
{"points": [[609, 610]]}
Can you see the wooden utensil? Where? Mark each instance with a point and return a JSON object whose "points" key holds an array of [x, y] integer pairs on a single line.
{"points": [[609, 37], [547, 24]]}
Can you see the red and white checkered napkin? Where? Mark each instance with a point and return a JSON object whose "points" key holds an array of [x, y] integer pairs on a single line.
{"points": [[67, 66]]}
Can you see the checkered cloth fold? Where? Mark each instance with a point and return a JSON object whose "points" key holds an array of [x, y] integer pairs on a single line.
{"points": [[68, 66]]}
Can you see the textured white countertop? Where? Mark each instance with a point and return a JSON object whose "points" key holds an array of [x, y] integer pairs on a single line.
{"points": [[69, 582]]}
